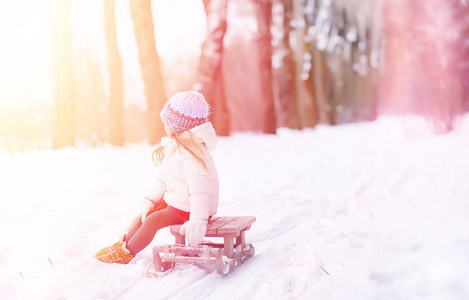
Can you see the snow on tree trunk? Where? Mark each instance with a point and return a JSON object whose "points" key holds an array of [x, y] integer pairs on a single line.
{"points": [[149, 61], [65, 104], [304, 21], [345, 36], [116, 103], [283, 67], [323, 79], [360, 30]]}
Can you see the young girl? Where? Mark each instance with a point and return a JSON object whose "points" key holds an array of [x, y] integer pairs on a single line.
{"points": [[186, 188]]}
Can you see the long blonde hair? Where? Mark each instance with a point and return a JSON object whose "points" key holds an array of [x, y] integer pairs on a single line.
{"points": [[184, 139]]}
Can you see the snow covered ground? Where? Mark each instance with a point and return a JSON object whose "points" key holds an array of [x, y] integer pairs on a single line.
{"points": [[362, 211]]}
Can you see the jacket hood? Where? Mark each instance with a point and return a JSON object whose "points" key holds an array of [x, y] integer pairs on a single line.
{"points": [[204, 134]]}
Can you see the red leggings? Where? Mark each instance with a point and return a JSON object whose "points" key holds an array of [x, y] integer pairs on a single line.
{"points": [[142, 234]]}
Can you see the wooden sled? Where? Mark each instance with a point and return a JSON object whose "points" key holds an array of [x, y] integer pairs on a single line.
{"points": [[226, 256]]}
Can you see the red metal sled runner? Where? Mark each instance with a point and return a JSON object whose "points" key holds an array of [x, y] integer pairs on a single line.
{"points": [[226, 256]]}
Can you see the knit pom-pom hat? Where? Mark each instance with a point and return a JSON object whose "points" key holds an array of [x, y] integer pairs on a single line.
{"points": [[184, 111]]}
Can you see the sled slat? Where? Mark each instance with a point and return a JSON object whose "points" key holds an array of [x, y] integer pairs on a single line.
{"points": [[222, 225], [187, 250], [235, 225], [190, 260], [214, 225]]}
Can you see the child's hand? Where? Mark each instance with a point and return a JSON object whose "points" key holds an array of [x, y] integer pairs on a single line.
{"points": [[194, 230]]}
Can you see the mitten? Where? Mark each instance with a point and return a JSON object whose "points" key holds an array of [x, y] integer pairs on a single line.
{"points": [[194, 230]]}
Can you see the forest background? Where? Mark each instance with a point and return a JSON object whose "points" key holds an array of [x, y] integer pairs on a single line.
{"points": [[89, 73]]}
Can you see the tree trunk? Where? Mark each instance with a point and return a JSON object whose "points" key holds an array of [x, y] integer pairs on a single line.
{"points": [[116, 103], [210, 82], [92, 111], [285, 94], [264, 19], [304, 83], [462, 17], [436, 80], [64, 130], [152, 76], [309, 104], [322, 74]]}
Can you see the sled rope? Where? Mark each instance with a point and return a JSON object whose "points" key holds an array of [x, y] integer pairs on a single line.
{"points": [[151, 274], [206, 254]]}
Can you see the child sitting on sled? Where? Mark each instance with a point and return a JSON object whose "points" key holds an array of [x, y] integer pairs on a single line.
{"points": [[186, 188]]}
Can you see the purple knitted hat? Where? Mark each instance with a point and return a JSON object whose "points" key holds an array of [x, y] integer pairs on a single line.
{"points": [[184, 111]]}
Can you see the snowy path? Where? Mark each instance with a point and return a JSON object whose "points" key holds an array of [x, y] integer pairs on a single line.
{"points": [[362, 211]]}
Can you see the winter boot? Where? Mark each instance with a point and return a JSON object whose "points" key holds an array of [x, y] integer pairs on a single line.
{"points": [[117, 253]]}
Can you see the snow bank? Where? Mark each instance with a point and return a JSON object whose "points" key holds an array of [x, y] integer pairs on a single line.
{"points": [[360, 211]]}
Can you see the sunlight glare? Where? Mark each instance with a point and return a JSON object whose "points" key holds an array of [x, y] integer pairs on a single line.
{"points": [[26, 35], [179, 25], [25, 53]]}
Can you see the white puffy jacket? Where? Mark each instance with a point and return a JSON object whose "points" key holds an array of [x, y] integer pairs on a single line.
{"points": [[182, 180]]}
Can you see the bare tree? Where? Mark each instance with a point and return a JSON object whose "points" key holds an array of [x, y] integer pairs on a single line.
{"points": [[305, 64], [92, 107], [210, 81], [436, 65], [323, 79], [264, 21], [64, 128], [155, 94], [307, 86], [462, 17], [284, 77], [116, 103]]}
